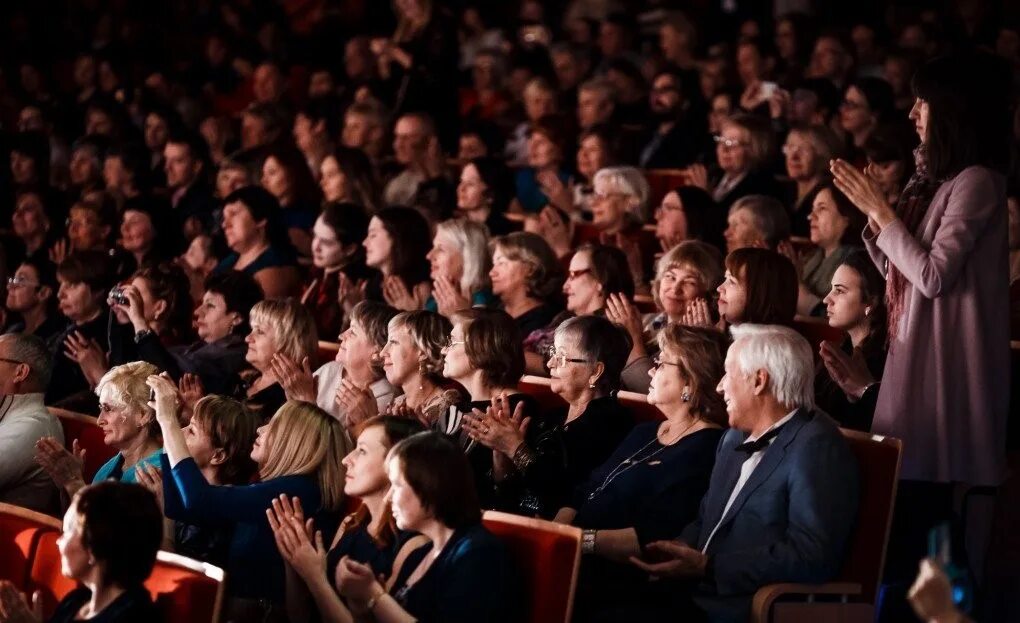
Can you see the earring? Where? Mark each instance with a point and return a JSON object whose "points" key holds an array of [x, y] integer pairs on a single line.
{"points": [[591, 385], [867, 311], [421, 373], [685, 396]]}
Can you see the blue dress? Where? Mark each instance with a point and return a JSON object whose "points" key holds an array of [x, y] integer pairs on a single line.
{"points": [[114, 468], [254, 565]]}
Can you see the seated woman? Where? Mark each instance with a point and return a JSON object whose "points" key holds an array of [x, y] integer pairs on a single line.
{"points": [[484, 355], [339, 262], [286, 175], [154, 304], [594, 153], [526, 277], [756, 221], [200, 259], [32, 299], [32, 221], [298, 453], [460, 264], [396, 243], [219, 437], [597, 272], [215, 360], [352, 387], [742, 149], [538, 471], [367, 536], [253, 227], [464, 573], [413, 362], [347, 176], [147, 232], [111, 534], [689, 213], [547, 138], [836, 226], [79, 358], [484, 194], [807, 152], [848, 386], [619, 209], [686, 275], [760, 286], [655, 479], [129, 426], [277, 326]]}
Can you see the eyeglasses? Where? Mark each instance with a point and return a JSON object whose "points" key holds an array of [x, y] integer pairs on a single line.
{"points": [[728, 143], [559, 358], [14, 361], [19, 282], [574, 274], [789, 150], [452, 343], [658, 363]]}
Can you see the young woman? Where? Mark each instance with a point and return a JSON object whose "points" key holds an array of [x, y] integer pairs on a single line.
{"points": [[347, 176], [759, 286], [484, 194], [396, 243], [368, 535], [286, 175], [156, 303]]}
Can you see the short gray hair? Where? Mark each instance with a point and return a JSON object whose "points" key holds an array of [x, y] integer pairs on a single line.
{"points": [[781, 352], [30, 350], [472, 239], [629, 181], [769, 216]]}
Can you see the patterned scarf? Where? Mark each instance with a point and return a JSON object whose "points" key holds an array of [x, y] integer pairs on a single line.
{"points": [[911, 208]]}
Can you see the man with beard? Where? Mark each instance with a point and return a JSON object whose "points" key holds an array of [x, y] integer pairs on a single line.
{"points": [[680, 134]]}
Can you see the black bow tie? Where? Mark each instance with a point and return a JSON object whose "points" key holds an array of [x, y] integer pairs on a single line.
{"points": [[750, 447]]}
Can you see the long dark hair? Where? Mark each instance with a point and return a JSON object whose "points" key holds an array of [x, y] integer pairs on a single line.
{"points": [[873, 293], [969, 116], [411, 241], [706, 221]]}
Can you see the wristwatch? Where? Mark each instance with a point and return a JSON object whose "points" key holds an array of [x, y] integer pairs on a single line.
{"points": [[588, 541], [141, 335]]}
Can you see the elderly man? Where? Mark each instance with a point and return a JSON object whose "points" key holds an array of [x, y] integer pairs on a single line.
{"points": [[24, 373], [784, 491], [416, 148]]}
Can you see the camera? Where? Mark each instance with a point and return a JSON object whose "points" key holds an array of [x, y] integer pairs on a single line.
{"points": [[117, 296]]}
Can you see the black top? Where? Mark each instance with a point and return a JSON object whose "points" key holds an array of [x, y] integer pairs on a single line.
{"points": [[263, 403], [357, 543], [534, 319], [489, 495], [209, 543], [755, 182], [564, 455], [472, 580], [799, 210], [68, 387], [217, 364], [132, 606], [829, 397]]}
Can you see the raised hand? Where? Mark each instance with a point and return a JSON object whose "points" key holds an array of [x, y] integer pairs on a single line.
{"points": [[849, 372], [300, 544], [166, 399], [190, 390], [559, 194], [697, 314], [621, 311], [65, 468], [151, 477], [697, 175], [494, 429], [298, 382], [356, 403], [88, 354], [449, 296], [863, 191], [350, 293], [14, 607], [60, 250], [397, 295]]}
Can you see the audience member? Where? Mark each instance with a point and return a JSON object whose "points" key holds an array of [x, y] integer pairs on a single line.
{"points": [[32, 296], [760, 286], [286, 175], [24, 420], [111, 535], [347, 176], [689, 213], [484, 194], [526, 277], [396, 243], [156, 303], [545, 174], [807, 151], [743, 149], [460, 264], [413, 362], [756, 221], [416, 149]]}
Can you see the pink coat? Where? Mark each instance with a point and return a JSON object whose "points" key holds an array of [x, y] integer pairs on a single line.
{"points": [[945, 390]]}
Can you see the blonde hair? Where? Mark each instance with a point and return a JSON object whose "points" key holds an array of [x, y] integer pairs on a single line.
{"points": [[292, 325], [472, 239], [307, 441], [627, 181], [705, 259], [128, 389], [429, 331]]}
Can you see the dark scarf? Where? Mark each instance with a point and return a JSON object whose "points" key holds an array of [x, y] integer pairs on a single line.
{"points": [[911, 207]]}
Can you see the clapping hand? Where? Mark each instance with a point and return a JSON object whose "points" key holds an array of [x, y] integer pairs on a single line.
{"points": [[356, 581], [190, 391], [88, 354], [151, 477], [559, 194], [300, 544], [449, 296], [863, 191], [621, 311], [357, 403], [697, 176], [298, 382], [494, 429], [397, 295], [14, 607], [350, 293], [697, 314], [65, 468], [849, 372]]}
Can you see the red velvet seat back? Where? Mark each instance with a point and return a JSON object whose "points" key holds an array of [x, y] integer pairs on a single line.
{"points": [[85, 429]]}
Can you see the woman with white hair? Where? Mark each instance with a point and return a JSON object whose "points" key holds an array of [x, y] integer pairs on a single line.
{"points": [[619, 208], [460, 264]]}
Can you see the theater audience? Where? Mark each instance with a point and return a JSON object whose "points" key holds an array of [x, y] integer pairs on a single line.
{"points": [[219, 436], [109, 542], [459, 266], [368, 535], [128, 424], [783, 494], [338, 258], [526, 277], [835, 225], [254, 231], [540, 461], [396, 243], [298, 453], [654, 480], [848, 387], [24, 420], [944, 249], [286, 175], [756, 221], [689, 213], [463, 573], [31, 295], [484, 194], [807, 152], [686, 275], [347, 176], [413, 362], [760, 286]]}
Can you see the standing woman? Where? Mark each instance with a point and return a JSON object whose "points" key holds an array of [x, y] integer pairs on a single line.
{"points": [[945, 388]]}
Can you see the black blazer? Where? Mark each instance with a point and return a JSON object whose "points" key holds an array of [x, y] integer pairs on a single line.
{"points": [[789, 523], [756, 182]]}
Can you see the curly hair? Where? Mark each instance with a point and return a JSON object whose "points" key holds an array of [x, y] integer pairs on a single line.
{"points": [[429, 331], [545, 275], [701, 355]]}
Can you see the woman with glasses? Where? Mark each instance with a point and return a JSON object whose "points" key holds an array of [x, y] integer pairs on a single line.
{"points": [[585, 362], [807, 152], [742, 148], [654, 480], [867, 103], [31, 296]]}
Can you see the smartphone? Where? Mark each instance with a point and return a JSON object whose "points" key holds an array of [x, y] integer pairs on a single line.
{"points": [[768, 89], [940, 548]]}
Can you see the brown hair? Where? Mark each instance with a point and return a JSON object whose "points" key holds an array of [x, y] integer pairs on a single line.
{"points": [[545, 278], [231, 428], [493, 344], [429, 331], [701, 354], [374, 318], [701, 256], [771, 282], [439, 474]]}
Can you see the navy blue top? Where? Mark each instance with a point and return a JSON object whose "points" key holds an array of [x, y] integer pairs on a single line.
{"points": [[254, 565], [270, 258], [658, 494], [134, 604], [359, 545], [472, 580]]}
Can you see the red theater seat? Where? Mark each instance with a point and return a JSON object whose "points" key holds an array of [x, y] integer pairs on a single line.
{"points": [[538, 388], [549, 555], [817, 330], [187, 590], [84, 428], [21, 531]]}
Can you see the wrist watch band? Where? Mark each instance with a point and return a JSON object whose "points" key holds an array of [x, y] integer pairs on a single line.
{"points": [[588, 541]]}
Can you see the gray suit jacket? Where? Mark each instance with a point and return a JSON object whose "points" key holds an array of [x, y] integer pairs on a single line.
{"points": [[789, 523]]}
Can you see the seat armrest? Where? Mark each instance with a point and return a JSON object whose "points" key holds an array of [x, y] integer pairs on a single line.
{"points": [[767, 595]]}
